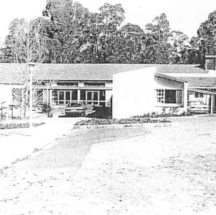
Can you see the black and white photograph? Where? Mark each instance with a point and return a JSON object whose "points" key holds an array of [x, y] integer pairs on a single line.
{"points": [[107, 107]]}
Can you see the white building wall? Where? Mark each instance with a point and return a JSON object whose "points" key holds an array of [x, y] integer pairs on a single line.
{"points": [[5, 94], [133, 93], [108, 97]]}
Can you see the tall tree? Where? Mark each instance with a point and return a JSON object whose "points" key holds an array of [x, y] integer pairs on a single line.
{"points": [[180, 47], [159, 34], [207, 34]]}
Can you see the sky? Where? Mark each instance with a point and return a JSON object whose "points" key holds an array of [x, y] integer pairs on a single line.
{"points": [[183, 15]]}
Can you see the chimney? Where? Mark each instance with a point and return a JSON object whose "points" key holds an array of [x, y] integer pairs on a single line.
{"points": [[210, 62]]}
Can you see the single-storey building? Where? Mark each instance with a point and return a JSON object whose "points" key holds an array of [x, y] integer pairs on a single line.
{"points": [[138, 87]]}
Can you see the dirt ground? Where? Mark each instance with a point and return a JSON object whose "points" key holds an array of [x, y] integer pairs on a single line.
{"points": [[153, 171]]}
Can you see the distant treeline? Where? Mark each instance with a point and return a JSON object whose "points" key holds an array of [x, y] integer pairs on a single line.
{"points": [[68, 33]]}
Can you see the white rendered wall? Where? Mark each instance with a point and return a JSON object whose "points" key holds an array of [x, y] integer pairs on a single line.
{"points": [[108, 97], [5, 94], [133, 93]]}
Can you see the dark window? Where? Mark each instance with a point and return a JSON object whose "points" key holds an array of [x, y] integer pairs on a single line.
{"points": [[67, 95], [198, 95], [92, 84], [95, 95], [82, 95], [89, 95], [68, 84], [74, 95], [61, 95], [170, 96]]}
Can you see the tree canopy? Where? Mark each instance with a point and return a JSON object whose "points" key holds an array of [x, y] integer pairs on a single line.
{"points": [[67, 32]]}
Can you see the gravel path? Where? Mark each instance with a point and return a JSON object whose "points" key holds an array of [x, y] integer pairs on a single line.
{"points": [[167, 170]]}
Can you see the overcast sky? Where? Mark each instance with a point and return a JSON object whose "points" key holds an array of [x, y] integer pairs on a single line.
{"points": [[183, 15]]}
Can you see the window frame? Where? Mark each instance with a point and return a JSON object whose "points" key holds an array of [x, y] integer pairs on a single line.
{"points": [[161, 96]]}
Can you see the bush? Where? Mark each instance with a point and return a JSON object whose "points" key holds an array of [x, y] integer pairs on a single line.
{"points": [[134, 120], [18, 125]]}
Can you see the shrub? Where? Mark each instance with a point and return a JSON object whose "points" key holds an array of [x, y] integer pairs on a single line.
{"points": [[135, 120], [18, 125]]}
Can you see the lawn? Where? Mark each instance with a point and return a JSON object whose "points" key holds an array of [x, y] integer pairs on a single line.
{"points": [[162, 170], [71, 150]]}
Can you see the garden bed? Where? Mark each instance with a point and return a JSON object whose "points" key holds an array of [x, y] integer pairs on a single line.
{"points": [[130, 122], [18, 125]]}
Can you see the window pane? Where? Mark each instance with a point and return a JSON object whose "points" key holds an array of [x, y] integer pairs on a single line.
{"points": [[95, 96], [61, 95], [82, 94], [179, 96], [74, 95], [89, 95], [170, 96], [67, 95]]}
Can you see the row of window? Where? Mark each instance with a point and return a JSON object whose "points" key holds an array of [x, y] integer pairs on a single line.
{"points": [[62, 97]]}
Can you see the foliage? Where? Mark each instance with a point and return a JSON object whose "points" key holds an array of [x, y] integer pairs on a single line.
{"points": [[127, 121], [70, 33], [207, 34], [158, 50]]}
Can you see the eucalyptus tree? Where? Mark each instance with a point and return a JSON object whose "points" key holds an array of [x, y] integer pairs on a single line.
{"points": [[207, 34], [180, 47], [158, 36], [26, 42]]}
